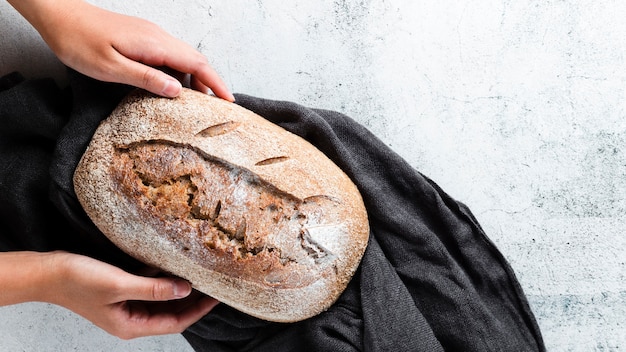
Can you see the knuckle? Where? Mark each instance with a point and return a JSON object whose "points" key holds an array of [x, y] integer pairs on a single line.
{"points": [[125, 335], [107, 70], [200, 64], [176, 327], [148, 77], [118, 289], [152, 27], [157, 50], [160, 291], [121, 332]]}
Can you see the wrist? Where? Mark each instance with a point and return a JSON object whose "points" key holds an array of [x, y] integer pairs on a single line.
{"points": [[53, 274], [28, 276]]}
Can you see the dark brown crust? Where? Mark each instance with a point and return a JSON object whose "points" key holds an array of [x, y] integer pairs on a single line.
{"points": [[178, 187], [248, 212]]}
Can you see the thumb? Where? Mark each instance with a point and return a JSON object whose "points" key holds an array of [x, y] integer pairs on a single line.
{"points": [[152, 79], [156, 289]]}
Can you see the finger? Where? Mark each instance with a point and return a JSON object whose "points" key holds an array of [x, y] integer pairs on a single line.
{"points": [[197, 85], [140, 288], [206, 76], [177, 55], [148, 271], [183, 78], [184, 58], [174, 306], [195, 312], [145, 320], [169, 323], [149, 78]]}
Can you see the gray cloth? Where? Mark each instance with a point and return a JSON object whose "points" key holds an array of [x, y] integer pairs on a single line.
{"points": [[430, 279]]}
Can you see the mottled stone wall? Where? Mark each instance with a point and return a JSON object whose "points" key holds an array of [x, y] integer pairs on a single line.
{"points": [[516, 108]]}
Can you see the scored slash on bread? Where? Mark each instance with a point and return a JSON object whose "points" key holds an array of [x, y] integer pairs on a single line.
{"points": [[248, 212]]}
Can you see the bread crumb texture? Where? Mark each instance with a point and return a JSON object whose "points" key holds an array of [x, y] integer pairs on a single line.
{"points": [[242, 223], [204, 189]]}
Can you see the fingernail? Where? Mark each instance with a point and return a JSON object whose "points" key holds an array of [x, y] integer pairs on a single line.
{"points": [[172, 88], [181, 289]]}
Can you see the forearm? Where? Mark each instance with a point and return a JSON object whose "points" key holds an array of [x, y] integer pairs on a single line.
{"points": [[42, 14], [27, 276]]}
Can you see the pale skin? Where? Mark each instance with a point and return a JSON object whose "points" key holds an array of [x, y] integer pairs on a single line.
{"points": [[114, 48], [123, 304]]}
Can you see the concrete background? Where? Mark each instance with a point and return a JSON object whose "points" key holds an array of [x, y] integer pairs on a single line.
{"points": [[516, 108]]}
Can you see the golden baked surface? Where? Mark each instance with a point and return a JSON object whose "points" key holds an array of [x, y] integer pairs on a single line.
{"points": [[248, 227], [248, 212]]}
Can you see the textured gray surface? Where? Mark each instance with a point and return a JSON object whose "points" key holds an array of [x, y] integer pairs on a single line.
{"points": [[516, 108]]}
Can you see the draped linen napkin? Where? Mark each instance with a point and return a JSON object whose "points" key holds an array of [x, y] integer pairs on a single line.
{"points": [[430, 279]]}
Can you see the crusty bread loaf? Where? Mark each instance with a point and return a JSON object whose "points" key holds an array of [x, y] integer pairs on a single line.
{"points": [[248, 212]]}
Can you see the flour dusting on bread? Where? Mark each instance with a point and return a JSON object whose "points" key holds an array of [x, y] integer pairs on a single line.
{"points": [[250, 213]]}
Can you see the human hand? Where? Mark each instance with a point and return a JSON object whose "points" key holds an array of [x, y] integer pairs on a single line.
{"points": [[117, 48], [123, 304]]}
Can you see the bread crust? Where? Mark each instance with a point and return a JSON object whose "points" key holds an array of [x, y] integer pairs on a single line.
{"points": [[204, 189]]}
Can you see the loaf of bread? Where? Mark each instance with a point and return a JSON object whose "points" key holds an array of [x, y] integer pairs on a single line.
{"points": [[206, 190]]}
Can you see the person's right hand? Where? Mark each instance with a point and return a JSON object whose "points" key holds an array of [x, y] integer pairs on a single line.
{"points": [[117, 48], [123, 304]]}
